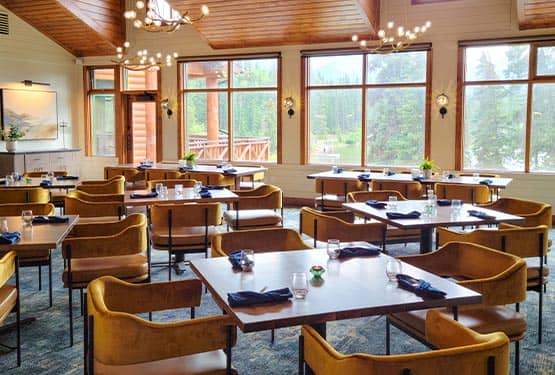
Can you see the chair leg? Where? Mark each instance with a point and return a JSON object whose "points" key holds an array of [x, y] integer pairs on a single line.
{"points": [[169, 265], [540, 314], [387, 337], [70, 291], [81, 300], [272, 336], [40, 278], [517, 357], [18, 313], [50, 281]]}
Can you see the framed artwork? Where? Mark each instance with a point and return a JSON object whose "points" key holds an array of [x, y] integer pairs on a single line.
{"points": [[35, 112]]}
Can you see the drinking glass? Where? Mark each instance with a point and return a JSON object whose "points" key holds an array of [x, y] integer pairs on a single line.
{"points": [[158, 187], [178, 190], [163, 192], [27, 217], [392, 202], [9, 180], [333, 248], [456, 205], [445, 175], [475, 176], [393, 267], [4, 225], [247, 260], [51, 176], [197, 188], [299, 282], [385, 171]]}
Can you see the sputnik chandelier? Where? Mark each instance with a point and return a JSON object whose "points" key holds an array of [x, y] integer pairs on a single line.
{"points": [[142, 60], [158, 16], [391, 41]]}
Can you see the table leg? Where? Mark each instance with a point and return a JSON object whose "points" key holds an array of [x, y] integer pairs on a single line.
{"points": [[426, 243]]}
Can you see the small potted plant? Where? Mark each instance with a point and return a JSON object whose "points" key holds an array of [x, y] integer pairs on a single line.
{"points": [[427, 167], [11, 136], [189, 160]]}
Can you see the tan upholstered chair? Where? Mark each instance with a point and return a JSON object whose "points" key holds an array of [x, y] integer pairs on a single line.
{"points": [[409, 189], [134, 178], [498, 276], [161, 174], [534, 213], [117, 249], [117, 341], [115, 185], [253, 180], [322, 226], [96, 197], [37, 257], [150, 185], [333, 192], [526, 242], [260, 240], [183, 228], [24, 195], [459, 351], [38, 174], [258, 208], [9, 295], [219, 179], [474, 194], [95, 205]]}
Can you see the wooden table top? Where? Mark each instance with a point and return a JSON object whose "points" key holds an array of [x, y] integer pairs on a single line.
{"points": [[240, 171], [35, 182], [444, 215], [351, 288], [218, 195], [38, 235]]}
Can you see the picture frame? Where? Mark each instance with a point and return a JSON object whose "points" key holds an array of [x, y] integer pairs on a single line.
{"points": [[35, 112]]}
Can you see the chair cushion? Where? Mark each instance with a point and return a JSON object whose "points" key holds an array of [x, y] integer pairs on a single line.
{"points": [[209, 363], [252, 218], [8, 299], [126, 267], [181, 237]]}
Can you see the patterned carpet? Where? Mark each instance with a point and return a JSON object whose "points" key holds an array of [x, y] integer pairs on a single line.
{"points": [[46, 345]]}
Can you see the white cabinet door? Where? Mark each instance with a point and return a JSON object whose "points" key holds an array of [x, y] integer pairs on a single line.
{"points": [[37, 162]]}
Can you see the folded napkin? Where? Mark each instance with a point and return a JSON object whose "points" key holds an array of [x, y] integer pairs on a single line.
{"points": [[247, 298], [338, 170], [375, 204], [9, 238], [364, 176], [359, 251], [419, 178], [419, 286], [220, 165], [480, 214], [400, 215], [205, 194], [230, 170], [235, 259], [50, 219], [486, 181], [145, 195], [144, 165], [213, 187], [3, 182], [390, 173], [451, 175], [45, 183], [186, 168], [444, 202], [59, 178]]}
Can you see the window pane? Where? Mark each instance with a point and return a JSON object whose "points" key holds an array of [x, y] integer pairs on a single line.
{"points": [[254, 126], [546, 61], [497, 62], [406, 67], [102, 78], [542, 153], [206, 124], [103, 124], [335, 119], [494, 127], [254, 73], [335, 70], [205, 75], [395, 126], [140, 80]]}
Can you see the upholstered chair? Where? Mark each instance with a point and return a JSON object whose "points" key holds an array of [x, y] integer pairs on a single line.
{"points": [[186, 182], [333, 192], [94, 205], [534, 213], [253, 180], [258, 207], [325, 225], [134, 178], [9, 295], [409, 189], [24, 195], [117, 249], [219, 179], [38, 174], [161, 174], [468, 193], [499, 277], [459, 351], [118, 341], [115, 185], [529, 243]]}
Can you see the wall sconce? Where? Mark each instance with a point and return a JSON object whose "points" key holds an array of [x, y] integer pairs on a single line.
{"points": [[442, 100], [165, 104], [28, 82], [289, 103]]}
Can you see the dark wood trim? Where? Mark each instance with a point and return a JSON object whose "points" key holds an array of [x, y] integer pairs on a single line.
{"points": [[459, 108], [363, 121], [159, 130], [279, 109], [428, 106], [179, 112], [303, 136]]}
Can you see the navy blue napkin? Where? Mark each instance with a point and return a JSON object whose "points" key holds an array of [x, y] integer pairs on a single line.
{"points": [[451, 175], [247, 298], [419, 178], [375, 204], [338, 170], [444, 202], [364, 176], [145, 195], [486, 181], [3, 182], [186, 168], [480, 214], [9, 238], [45, 183], [359, 251], [421, 287], [61, 178], [230, 170], [390, 173], [205, 194], [144, 165], [213, 187], [400, 215], [235, 259], [50, 219]]}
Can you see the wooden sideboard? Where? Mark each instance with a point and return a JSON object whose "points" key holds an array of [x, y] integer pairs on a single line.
{"points": [[40, 160]]}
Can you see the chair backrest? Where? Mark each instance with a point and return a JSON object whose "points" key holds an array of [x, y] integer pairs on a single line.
{"points": [[534, 213], [95, 197], [409, 189], [77, 206], [38, 174], [7, 269], [161, 174], [261, 197], [212, 178], [460, 351], [14, 209], [491, 175], [185, 215], [378, 195], [115, 185], [24, 195], [259, 240], [131, 174], [336, 186], [468, 193], [171, 183]]}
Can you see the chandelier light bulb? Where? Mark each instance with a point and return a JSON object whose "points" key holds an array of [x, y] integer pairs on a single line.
{"points": [[138, 24], [354, 38], [157, 23], [381, 34], [175, 55], [140, 4], [400, 31], [126, 44], [205, 11], [150, 4], [159, 55], [119, 50], [148, 21], [390, 25]]}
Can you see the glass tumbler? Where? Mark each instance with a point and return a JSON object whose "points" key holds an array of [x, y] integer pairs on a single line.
{"points": [[333, 248], [27, 217], [299, 283], [393, 267]]}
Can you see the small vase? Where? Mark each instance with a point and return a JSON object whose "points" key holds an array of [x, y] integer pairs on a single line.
{"points": [[11, 146], [427, 173], [182, 163], [190, 163]]}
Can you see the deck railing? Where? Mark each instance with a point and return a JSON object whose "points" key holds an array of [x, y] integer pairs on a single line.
{"points": [[244, 148]]}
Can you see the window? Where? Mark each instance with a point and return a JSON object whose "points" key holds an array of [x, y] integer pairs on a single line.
{"points": [[507, 117], [366, 109], [231, 108]]}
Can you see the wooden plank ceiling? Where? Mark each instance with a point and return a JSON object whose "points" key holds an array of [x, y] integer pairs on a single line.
{"points": [[259, 23], [535, 14], [83, 27]]}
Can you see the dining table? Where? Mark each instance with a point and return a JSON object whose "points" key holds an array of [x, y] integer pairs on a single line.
{"points": [[427, 220], [55, 183], [147, 198]]}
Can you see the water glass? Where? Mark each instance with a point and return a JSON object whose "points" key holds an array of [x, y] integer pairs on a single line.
{"points": [[333, 248], [393, 267], [158, 187], [385, 171], [299, 283], [247, 260], [445, 175], [456, 206], [197, 188], [51, 176], [27, 217], [475, 176], [9, 180], [4, 225], [178, 190], [163, 192], [392, 202]]}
